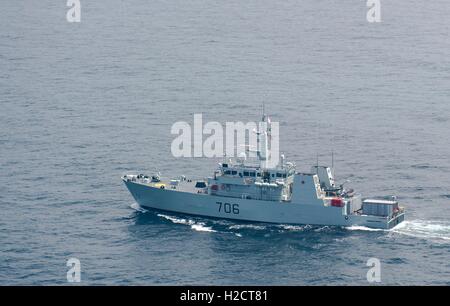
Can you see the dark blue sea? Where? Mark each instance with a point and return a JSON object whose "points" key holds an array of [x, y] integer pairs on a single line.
{"points": [[83, 103]]}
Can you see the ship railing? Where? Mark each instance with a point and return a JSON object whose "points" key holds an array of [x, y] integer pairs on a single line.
{"points": [[397, 212]]}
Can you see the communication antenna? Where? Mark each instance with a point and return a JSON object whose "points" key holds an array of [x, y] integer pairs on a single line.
{"points": [[332, 151], [332, 161], [263, 111], [317, 163]]}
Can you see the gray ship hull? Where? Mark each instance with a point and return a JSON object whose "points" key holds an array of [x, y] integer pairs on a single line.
{"points": [[252, 210]]}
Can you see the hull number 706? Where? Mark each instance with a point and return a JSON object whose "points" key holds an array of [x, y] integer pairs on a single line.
{"points": [[228, 208]]}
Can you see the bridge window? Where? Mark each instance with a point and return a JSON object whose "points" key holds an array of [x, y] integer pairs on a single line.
{"points": [[246, 173], [227, 172], [200, 185], [233, 172], [258, 174], [279, 175], [252, 174]]}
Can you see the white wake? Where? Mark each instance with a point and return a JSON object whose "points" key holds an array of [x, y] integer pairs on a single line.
{"points": [[137, 207], [196, 226], [363, 228], [435, 230]]}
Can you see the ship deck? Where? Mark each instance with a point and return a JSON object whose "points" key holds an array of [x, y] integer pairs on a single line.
{"points": [[187, 185]]}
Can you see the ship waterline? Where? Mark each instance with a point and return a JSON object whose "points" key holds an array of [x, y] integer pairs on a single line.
{"points": [[252, 210]]}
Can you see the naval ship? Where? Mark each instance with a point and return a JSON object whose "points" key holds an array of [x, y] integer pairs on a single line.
{"points": [[253, 191]]}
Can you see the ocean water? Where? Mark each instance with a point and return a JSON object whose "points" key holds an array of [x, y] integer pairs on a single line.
{"points": [[82, 103]]}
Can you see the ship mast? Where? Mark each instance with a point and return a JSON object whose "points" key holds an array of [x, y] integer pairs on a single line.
{"points": [[262, 135]]}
